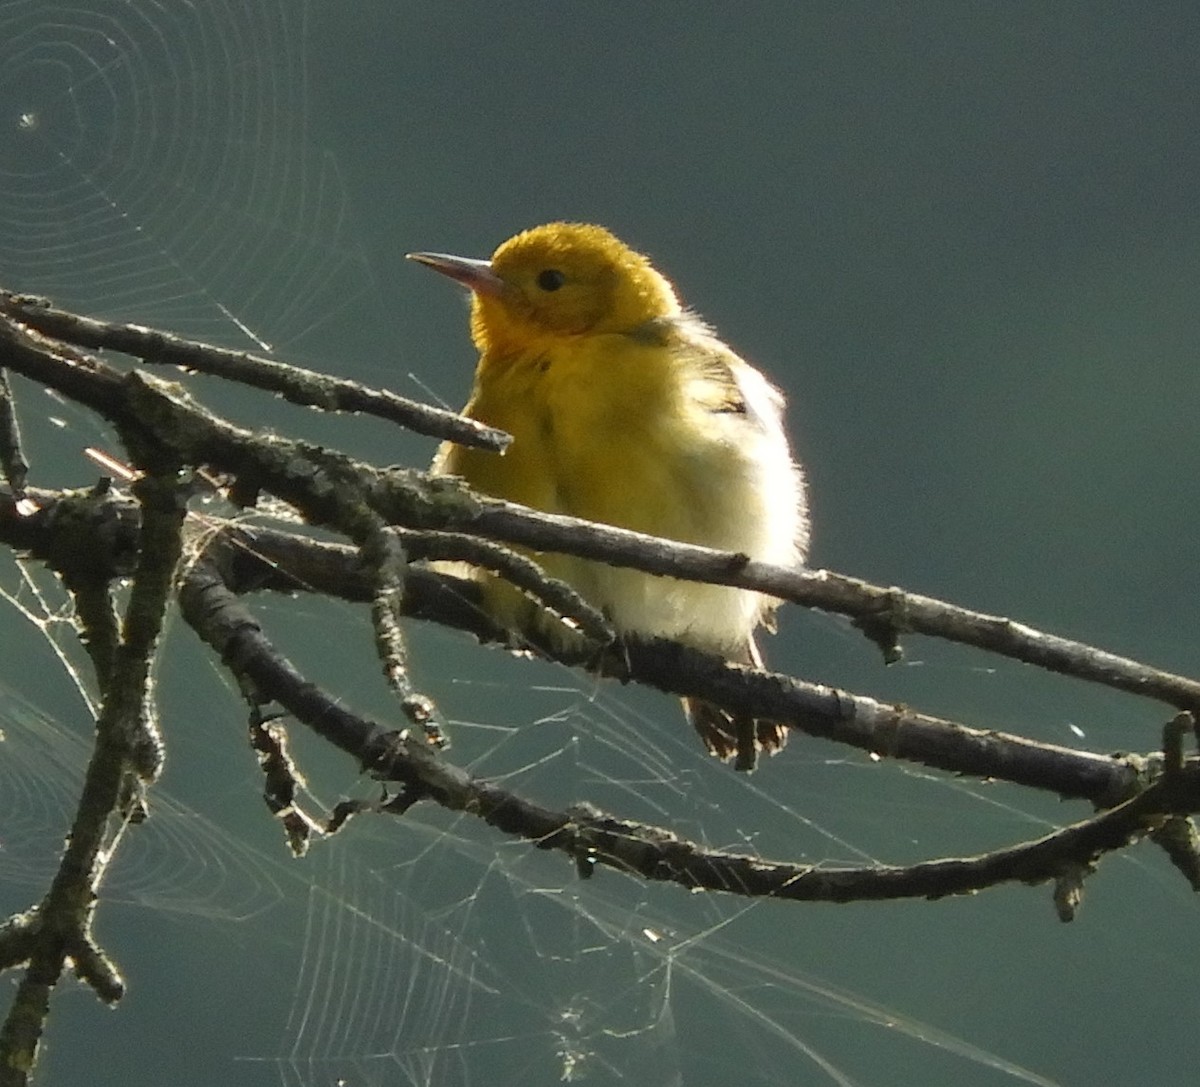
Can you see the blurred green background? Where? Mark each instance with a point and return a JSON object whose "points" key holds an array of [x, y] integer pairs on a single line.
{"points": [[964, 240]]}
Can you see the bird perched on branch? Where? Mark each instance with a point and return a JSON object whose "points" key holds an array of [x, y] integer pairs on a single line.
{"points": [[627, 409]]}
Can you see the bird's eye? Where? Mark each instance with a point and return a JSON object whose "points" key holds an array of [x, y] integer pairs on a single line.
{"points": [[551, 279]]}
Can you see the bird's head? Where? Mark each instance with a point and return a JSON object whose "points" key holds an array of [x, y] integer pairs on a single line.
{"points": [[557, 280]]}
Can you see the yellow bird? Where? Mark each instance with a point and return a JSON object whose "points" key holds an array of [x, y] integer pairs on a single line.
{"points": [[626, 408]]}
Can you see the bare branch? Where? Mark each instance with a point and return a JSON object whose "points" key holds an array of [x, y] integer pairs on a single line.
{"points": [[256, 558], [652, 852], [12, 459], [294, 383], [418, 501], [127, 754]]}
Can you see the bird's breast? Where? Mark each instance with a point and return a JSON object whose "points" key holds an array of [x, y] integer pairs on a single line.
{"points": [[630, 433], [621, 431]]}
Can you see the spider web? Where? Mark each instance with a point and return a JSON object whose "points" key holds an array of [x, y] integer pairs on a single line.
{"points": [[431, 951], [603, 980], [155, 165]]}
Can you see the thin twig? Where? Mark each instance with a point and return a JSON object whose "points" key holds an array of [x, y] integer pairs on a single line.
{"points": [[518, 570], [825, 590], [384, 555], [127, 754], [12, 458], [293, 383]]}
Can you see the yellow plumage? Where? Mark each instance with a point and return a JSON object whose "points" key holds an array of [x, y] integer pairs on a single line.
{"points": [[628, 410]]}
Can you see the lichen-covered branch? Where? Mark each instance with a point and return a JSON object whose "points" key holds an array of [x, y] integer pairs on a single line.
{"points": [[262, 558], [293, 383], [309, 478], [127, 756], [654, 853], [13, 464]]}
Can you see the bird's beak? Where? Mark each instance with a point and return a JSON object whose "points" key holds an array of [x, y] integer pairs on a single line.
{"points": [[476, 274]]}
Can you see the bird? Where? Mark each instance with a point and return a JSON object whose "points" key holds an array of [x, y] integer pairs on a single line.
{"points": [[626, 408]]}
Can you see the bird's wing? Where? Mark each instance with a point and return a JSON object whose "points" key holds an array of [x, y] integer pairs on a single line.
{"points": [[743, 412], [723, 383]]}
